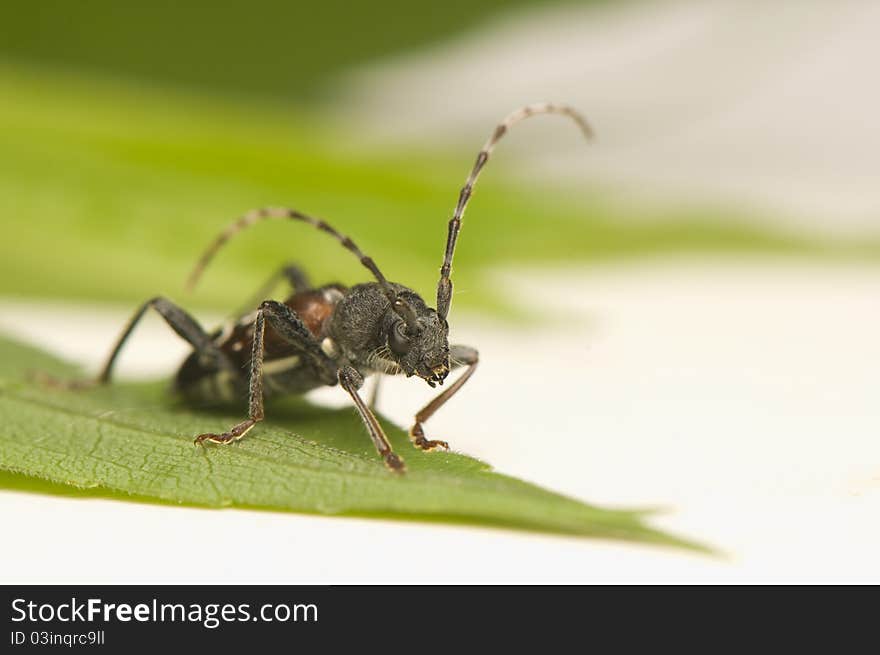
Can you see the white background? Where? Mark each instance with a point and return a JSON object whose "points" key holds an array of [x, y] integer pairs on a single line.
{"points": [[764, 108]]}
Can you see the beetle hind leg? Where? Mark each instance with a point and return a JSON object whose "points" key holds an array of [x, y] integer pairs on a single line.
{"points": [[177, 319]]}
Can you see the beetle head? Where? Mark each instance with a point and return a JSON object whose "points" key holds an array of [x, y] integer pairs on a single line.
{"points": [[418, 345]]}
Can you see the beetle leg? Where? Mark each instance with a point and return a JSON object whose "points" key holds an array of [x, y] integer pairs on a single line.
{"points": [[351, 381], [179, 321], [290, 328], [291, 273], [458, 356]]}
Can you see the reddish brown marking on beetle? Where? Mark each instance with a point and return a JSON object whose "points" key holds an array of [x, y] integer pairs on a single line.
{"points": [[313, 309]]}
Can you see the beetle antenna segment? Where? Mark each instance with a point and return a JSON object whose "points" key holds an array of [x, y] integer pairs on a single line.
{"points": [[400, 306], [444, 286]]}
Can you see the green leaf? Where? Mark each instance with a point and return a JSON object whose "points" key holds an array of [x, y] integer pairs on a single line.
{"points": [[134, 441], [269, 57], [138, 181]]}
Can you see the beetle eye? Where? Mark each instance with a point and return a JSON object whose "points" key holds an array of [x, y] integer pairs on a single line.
{"points": [[397, 339]]}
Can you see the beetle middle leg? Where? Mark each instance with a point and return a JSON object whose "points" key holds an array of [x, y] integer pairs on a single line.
{"points": [[458, 356], [296, 278], [290, 328]]}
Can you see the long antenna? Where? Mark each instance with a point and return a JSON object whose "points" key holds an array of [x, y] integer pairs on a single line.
{"points": [[400, 306], [444, 286]]}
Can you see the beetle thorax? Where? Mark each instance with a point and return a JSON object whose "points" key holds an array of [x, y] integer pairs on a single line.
{"points": [[368, 333]]}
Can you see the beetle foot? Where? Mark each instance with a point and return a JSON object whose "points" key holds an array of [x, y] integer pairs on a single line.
{"points": [[417, 436], [431, 444], [394, 462], [236, 433], [226, 437]]}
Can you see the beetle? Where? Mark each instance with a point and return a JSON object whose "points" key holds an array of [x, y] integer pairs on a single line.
{"points": [[327, 335]]}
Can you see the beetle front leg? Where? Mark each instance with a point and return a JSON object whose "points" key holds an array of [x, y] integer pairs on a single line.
{"points": [[351, 381], [458, 356]]}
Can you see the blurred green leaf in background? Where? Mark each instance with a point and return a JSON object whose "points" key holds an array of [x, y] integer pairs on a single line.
{"points": [[130, 133], [266, 48], [110, 191]]}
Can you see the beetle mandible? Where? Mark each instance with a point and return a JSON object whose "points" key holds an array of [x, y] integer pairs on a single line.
{"points": [[327, 335]]}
